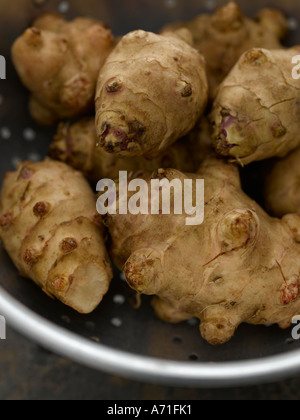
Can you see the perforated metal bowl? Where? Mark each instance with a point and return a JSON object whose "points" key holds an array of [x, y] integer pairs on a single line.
{"points": [[117, 338]]}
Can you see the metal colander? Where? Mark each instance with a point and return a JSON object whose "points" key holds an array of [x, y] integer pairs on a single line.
{"points": [[119, 338]]}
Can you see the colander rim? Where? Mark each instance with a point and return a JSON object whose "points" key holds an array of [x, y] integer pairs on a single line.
{"points": [[142, 368]]}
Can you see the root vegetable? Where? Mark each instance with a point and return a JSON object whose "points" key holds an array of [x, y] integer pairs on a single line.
{"points": [[282, 192], [51, 229], [76, 145], [151, 91], [59, 63], [239, 266], [224, 36], [257, 108]]}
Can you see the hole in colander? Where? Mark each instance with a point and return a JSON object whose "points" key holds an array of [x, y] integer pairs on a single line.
{"points": [[293, 24], [122, 276], [15, 161], [170, 3], [177, 340], [5, 133], [193, 357], [193, 322], [29, 134], [34, 157], [119, 299], [64, 7], [210, 5], [117, 322]]}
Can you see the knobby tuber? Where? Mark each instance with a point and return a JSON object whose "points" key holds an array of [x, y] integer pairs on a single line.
{"points": [[151, 91], [282, 192], [239, 266], [75, 144], [52, 232], [224, 36], [257, 108], [59, 63]]}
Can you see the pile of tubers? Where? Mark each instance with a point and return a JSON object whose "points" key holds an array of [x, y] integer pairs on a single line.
{"points": [[199, 100]]}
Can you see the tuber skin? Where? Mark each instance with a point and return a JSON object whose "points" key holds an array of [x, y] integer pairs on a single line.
{"points": [[257, 108], [51, 229], [224, 36], [59, 62], [75, 144], [151, 91], [239, 266], [282, 191]]}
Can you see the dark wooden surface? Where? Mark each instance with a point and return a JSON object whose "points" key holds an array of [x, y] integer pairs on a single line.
{"points": [[29, 372]]}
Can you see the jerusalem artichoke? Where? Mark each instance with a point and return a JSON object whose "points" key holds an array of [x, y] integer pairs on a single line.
{"points": [[257, 108], [52, 232], [239, 266], [282, 192], [76, 145], [223, 37], [59, 63], [151, 92]]}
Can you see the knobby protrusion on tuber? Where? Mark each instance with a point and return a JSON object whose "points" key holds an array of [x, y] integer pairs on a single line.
{"points": [[257, 108], [52, 232], [239, 266], [75, 144], [59, 63], [151, 91], [224, 36]]}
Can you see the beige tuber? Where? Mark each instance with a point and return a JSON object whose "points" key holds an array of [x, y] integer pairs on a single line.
{"points": [[239, 266], [282, 192], [256, 111], [224, 36], [59, 63], [52, 232], [151, 92]]}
